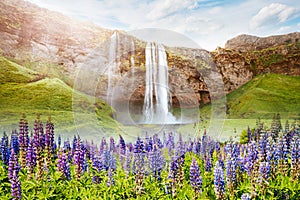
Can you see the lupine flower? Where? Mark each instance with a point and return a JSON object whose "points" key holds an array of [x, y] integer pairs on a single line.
{"points": [[231, 167], [49, 141], [103, 145], [195, 177], [208, 164], [5, 149], [30, 159], [252, 156], [39, 147], [249, 132], [283, 155], [196, 146], [78, 159], [295, 157], [63, 166], [264, 174], [139, 164], [112, 144], [14, 139], [13, 171], [219, 182], [127, 164], [156, 161], [172, 177], [262, 146], [148, 144], [23, 140]]}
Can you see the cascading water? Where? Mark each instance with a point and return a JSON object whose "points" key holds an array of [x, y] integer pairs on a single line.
{"points": [[156, 111], [114, 62]]}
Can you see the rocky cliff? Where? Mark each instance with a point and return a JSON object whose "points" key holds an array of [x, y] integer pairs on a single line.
{"points": [[29, 34]]}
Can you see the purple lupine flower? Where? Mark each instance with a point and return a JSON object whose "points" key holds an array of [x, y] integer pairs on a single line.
{"points": [[196, 146], [208, 164], [139, 157], [264, 174], [49, 141], [262, 146], [148, 144], [295, 157], [59, 141], [195, 177], [5, 149], [23, 140], [246, 196], [39, 147], [110, 174], [30, 159], [283, 155], [127, 164], [139, 164], [63, 165], [221, 160], [218, 147], [249, 133], [112, 144], [78, 159], [170, 143], [252, 157], [13, 171], [157, 141], [122, 146], [172, 177], [156, 161], [231, 172], [103, 145], [219, 182], [74, 144]]}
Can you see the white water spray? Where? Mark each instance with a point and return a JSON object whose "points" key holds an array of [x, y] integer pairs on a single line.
{"points": [[156, 110]]}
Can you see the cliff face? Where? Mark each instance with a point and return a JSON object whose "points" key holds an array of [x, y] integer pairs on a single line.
{"points": [[246, 56], [32, 34]]}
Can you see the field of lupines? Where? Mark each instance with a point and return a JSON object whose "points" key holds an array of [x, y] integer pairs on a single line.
{"points": [[35, 166]]}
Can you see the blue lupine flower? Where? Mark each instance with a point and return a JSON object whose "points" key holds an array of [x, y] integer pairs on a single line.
{"points": [[252, 156], [5, 149], [219, 182], [13, 171], [15, 142], [195, 177], [208, 164], [263, 146], [156, 161]]}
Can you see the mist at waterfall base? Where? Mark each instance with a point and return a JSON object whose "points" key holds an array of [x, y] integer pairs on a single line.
{"points": [[157, 104]]}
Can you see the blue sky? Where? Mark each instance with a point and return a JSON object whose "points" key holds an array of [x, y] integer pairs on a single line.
{"points": [[207, 22]]}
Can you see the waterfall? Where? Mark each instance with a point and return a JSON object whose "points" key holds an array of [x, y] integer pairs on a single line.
{"points": [[156, 110], [114, 62]]}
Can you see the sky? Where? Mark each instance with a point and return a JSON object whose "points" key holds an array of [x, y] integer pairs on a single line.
{"points": [[209, 23]]}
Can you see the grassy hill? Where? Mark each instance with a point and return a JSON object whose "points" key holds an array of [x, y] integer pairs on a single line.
{"points": [[23, 90], [264, 95]]}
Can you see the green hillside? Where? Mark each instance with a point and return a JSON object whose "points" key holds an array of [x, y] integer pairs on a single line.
{"points": [[26, 91], [265, 95]]}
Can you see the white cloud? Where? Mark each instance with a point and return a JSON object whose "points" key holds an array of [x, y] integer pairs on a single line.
{"points": [[209, 23], [159, 9], [274, 12]]}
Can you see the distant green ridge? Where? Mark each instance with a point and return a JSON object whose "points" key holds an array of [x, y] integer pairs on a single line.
{"points": [[265, 95]]}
